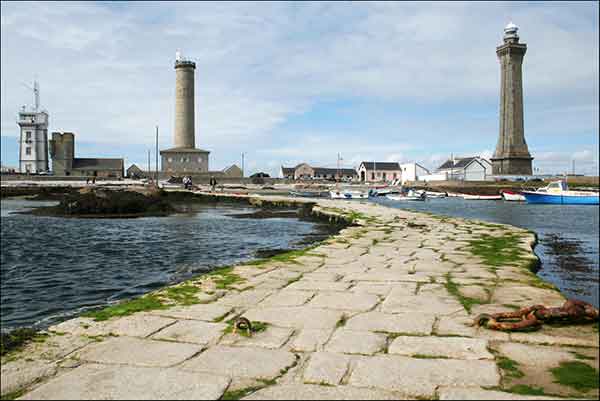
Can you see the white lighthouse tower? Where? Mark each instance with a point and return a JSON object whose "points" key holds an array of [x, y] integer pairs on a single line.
{"points": [[33, 149]]}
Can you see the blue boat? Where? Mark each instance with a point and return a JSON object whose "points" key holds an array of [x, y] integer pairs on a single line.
{"points": [[558, 193]]}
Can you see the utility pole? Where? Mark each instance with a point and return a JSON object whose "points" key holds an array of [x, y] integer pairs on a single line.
{"points": [[573, 167], [243, 164], [149, 176], [156, 164]]}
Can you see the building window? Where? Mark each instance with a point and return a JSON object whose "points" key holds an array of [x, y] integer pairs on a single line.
{"points": [[27, 151], [384, 176], [372, 176], [395, 176], [199, 160], [28, 135]]}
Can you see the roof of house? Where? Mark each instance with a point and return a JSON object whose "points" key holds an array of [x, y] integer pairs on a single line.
{"points": [[97, 164], [232, 167], [457, 163], [334, 171], [184, 150], [288, 170], [381, 165]]}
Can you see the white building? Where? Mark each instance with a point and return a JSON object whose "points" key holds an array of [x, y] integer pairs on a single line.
{"points": [[466, 169], [379, 171], [412, 172], [33, 141]]}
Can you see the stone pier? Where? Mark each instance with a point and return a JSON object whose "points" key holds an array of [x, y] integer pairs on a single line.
{"points": [[383, 310]]}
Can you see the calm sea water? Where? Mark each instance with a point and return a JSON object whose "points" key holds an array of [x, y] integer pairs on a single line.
{"points": [[54, 268], [568, 236]]}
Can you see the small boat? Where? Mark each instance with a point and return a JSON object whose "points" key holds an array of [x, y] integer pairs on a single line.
{"points": [[308, 194], [383, 191], [348, 195], [481, 197], [409, 196], [558, 193], [431, 194], [512, 196]]}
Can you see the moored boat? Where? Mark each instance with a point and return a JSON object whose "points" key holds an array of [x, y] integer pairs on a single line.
{"points": [[308, 194], [558, 193], [481, 197], [409, 196], [512, 196], [348, 195]]}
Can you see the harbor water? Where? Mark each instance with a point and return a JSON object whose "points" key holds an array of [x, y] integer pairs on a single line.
{"points": [[568, 236], [54, 268]]}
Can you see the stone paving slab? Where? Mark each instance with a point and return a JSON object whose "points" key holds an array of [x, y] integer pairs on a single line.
{"points": [[287, 298], [407, 323], [310, 340], [308, 285], [356, 342], [191, 331], [98, 382], [58, 346], [326, 368], [204, 312], [296, 317], [241, 362], [534, 355], [425, 304], [375, 289], [272, 338], [138, 352], [322, 275], [346, 301], [420, 377], [21, 373], [476, 393], [244, 299], [315, 392], [138, 325], [447, 347]]}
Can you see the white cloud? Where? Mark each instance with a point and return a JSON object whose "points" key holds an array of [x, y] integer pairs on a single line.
{"points": [[106, 73]]}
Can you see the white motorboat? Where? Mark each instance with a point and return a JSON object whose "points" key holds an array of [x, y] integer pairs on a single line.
{"points": [[481, 197], [512, 196], [409, 196], [431, 194]]}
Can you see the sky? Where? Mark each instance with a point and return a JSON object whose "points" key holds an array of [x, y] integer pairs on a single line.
{"points": [[287, 82]]}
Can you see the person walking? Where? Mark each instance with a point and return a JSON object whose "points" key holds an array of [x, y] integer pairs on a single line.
{"points": [[213, 183]]}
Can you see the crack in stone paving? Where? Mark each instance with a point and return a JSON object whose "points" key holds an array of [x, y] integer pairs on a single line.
{"points": [[388, 315]]}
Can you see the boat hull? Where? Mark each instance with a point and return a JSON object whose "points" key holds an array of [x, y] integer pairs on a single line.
{"points": [[412, 198], [348, 195], [481, 197], [513, 197], [560, 199]]}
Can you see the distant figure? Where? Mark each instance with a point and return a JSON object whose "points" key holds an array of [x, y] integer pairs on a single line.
{"points": [[213, 183], [189, 182], [93, 180]]}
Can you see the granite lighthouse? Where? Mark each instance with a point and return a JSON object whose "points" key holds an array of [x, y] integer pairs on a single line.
{"points": [[512, 155], [184, 157]]}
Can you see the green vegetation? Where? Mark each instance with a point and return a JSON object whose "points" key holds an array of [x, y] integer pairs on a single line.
{"points": [[524, 389], [510, 367], [497, 251], [146, 303], [183, 294], [15, 340], [466, 302], [244, 392], [423, 356], [578, 375], [225, 277]]}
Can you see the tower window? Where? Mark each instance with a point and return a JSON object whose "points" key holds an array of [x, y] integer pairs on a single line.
{"points": [[27, 151], [28, 135]]}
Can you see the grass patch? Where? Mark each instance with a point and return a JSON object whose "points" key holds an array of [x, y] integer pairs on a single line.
{"points": [[183, 294], [145, 303], [466, 302], [510, 367], [578, 375], [242, 393], [225, 277], [524, 389], [15, 340], [497, 251], [424, 356]]}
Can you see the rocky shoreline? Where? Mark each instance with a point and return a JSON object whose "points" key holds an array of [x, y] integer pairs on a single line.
{"points": [[396, 291]]}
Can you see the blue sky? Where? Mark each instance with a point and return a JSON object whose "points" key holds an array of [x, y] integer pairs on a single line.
{"points": [[292, 82]]}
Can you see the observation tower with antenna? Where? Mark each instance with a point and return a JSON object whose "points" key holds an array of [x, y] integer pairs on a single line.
{"points": [[33, 139]]}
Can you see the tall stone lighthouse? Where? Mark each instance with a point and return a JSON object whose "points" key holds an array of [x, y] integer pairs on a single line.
{"points": [[184, 157], [512, 155]]}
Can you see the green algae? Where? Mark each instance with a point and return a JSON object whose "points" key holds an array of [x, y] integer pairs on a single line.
{"points": [[497, 251], [143, 304], [15, 340], [524, 389], [509, 367], [467, 302], [578, 375], [257, 327]]}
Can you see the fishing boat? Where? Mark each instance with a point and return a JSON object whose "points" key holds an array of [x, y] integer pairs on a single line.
{"points": [[348, 195], [558, 192], [512, 196], [481, 197]]}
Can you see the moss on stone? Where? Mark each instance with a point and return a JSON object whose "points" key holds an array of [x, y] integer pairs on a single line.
{"points": [[509, 367], [13, 395], [497, 251], [257, 327], [146, 303], [466, 302], [524, 389], [15, 340], [578, 375]]}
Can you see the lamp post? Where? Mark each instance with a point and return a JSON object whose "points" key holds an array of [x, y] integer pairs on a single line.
{"points": [[243, 154]]}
